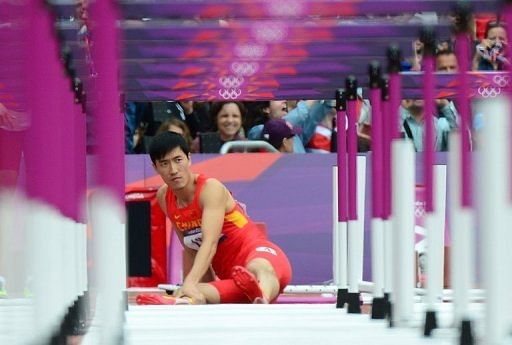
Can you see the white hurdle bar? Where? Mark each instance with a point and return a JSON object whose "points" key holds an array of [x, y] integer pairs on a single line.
{"points": [[403, 187], [462, 258], [495, 217]]}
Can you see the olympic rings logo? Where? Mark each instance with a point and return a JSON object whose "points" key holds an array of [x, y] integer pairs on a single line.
{"points": [[284, 8], [270, 33], [490, 91], [501, 80], [419, 209], [246, 69], [231, 81], [250, 51], [230, 93]]}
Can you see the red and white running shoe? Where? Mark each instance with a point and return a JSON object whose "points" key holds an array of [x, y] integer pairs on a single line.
{"points": [[159, 299], [247, 282]]}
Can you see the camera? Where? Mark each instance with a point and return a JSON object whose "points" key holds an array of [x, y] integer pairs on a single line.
{"points": [[497, 49]]}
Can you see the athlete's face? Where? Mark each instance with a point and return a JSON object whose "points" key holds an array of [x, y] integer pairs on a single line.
{"points": [[174, 168]]}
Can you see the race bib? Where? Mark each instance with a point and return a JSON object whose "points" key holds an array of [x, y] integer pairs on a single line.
{"points": [[193, 238]]}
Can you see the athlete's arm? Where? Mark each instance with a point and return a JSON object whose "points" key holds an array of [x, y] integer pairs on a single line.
{"points": [[189, 254], [213, 200], [160, 196]]}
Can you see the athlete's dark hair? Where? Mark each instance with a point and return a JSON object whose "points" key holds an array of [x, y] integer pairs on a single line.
{"points": [[165, 142]]}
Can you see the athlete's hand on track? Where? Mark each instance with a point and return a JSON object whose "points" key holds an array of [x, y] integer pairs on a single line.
{"points": [[190, 290]]}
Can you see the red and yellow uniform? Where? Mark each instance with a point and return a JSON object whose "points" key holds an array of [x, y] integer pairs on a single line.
{"points": [[240, 242]]}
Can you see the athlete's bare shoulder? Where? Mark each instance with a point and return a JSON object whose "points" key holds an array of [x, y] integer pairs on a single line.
{"points": [[215, 192], [160, 196], [213, 186]]}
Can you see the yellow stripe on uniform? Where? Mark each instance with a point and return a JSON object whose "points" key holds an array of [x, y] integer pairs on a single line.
{"points": [[236, 218]]}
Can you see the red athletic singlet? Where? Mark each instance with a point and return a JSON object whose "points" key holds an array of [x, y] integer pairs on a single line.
{"points": [[238, 231]]}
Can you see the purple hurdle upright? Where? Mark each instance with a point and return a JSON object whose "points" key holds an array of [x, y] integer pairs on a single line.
{"points": [[435, 178], [462, 253], [402, 207], [377, 225], [340, 230], [428, 38], [53, 212], [107, 203], [352, 226], [392, 93], [386, 183]]}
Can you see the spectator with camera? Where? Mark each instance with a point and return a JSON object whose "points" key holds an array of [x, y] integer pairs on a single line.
{"points": [[412, 112], [491, 52]]}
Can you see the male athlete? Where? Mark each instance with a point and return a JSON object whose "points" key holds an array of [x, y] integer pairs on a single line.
{"points": [[216, 234]]}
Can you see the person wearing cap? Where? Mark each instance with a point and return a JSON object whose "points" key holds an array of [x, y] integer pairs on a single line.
{"points": [[306, 116], [216, 233], [279, 134]]}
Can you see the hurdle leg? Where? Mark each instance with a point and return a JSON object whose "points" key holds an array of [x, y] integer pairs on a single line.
{"points": [[403, 182], [435, 225]]}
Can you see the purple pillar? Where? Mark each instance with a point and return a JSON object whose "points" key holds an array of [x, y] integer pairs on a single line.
{"points": [[392, 129], [341, 156], [428, 149], [352, 147], [80, 144], [377, 142], [462, 50], [44, 149], [108, 120], [386, 150]]}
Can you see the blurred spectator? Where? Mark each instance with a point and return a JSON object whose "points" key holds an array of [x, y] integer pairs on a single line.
{"points": [[142, 120], [363, 109], [412, 114], [136, 118], [445, 120], [279, 133], [491, 52], [412, 111], [194, 114], [306, 116], [417, 59], [259, 112], [320, 142], [446, 61], [176, 126], [227, 119], [481, 21], [292, 104]]}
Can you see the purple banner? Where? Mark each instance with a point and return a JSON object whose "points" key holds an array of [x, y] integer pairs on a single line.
{"points": [[211, 9]]}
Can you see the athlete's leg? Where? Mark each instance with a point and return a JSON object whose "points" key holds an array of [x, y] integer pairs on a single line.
{"points": [[226, 292], [266, 273], [257, 279], [210, 293]]}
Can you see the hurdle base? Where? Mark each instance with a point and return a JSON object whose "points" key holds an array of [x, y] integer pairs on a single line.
{"points": [[354, 303], [430, 323], [389, 310], [74, 322], [466, 333], [341, 298], [379, 308], [58, 338]]}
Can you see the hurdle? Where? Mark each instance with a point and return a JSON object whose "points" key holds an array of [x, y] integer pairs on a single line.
{"points": [[50, 260]]}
